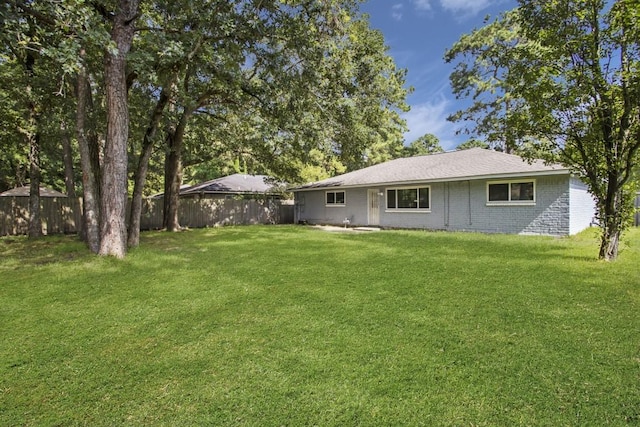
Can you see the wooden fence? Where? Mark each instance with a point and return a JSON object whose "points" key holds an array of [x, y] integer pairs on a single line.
{"points": [[63, 215]]}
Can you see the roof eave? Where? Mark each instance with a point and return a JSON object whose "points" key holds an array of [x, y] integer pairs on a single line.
{"points": [[427, 181]]}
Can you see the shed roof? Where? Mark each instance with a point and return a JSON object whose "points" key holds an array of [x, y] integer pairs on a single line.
{"points": [[474, 163], [236, 184], [24, 192]]}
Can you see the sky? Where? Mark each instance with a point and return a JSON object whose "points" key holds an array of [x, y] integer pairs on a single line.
{"points": [[418, 32]]}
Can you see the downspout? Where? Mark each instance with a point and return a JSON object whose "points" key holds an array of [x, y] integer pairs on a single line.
{"points": [[469, 199], [448, 205]]}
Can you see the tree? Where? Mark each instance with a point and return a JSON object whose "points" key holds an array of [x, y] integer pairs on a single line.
{"points": [[571, 74], [472, 143], [13, 155], [113, 230], [298, 77], [482, 75], [64, 30], [426, 144], [271, 84], [23, 51]]}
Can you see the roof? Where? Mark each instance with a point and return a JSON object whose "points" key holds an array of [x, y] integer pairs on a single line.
{"points": [[474, 163], [24, 192], [236, 184]]}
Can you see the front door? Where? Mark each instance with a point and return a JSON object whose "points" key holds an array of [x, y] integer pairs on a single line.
{"points": [[374, 207]]}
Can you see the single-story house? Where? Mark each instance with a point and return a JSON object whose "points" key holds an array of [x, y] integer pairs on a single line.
{"points": [[468, 190], [231, 187]]}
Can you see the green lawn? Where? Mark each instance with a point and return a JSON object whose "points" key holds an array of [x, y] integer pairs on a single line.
{"points": [[295, 326]]}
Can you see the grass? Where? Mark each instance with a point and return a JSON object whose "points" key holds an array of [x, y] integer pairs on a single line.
{"points": [[294, 326]]}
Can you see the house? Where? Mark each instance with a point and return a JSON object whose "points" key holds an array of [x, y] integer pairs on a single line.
{"points": [[469, 190], [241, 186]]}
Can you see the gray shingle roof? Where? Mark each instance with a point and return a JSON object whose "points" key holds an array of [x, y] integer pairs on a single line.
{"points": [[24, 192], [237, 183], [474, 163]]}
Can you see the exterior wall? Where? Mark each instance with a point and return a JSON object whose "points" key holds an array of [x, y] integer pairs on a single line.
{"points": [[583, 207], [455, 206], [311, 207]]}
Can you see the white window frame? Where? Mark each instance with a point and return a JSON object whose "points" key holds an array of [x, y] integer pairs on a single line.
{"points": [[335, 205], [512, 202], [406, 210]]}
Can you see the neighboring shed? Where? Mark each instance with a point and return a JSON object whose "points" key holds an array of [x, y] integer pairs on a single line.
{"points": [[234, 186], [25, 191], [471, 190], [58, 213]]}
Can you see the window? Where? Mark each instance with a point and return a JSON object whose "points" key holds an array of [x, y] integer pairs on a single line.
{"points": [[334, 198], [516, 192], [408, 198]]}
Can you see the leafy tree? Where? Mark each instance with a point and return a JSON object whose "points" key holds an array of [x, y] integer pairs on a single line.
{"points": [[570, 73], [14, 153], [64, 29], [426, 144], [296, 78], [269, 86], [481, 74], [21, 51], [472, 143], [113, 200]]}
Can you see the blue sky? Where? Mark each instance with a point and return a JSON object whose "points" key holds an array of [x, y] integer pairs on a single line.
{"points": [[418, 32]]}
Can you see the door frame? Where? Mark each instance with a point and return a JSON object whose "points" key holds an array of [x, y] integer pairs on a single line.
{"points": [[373, 207]]}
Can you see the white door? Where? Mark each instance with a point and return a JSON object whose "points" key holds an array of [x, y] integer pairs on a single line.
{"points": [[374, 207]]}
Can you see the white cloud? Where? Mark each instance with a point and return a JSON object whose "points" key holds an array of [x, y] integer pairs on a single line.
{"points": [[430, 117], [465, 8], [422, 5], [396, 11]]}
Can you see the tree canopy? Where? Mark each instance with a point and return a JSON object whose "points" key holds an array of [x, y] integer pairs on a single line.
{"points": [[160, 90], [561, 80], [426, 144]]}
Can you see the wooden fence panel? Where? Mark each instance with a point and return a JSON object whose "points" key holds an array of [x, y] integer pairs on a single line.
{"points": [[15, 215], [63, 215], [58, 215]]}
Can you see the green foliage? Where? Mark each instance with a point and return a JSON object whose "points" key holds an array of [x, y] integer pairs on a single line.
{"points": [[472, 143], [268, 83], [560, 80], [37, 88], [481, 73], [426, 144], [296, 326]]}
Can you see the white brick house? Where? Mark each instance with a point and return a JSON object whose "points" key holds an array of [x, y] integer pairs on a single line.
{"points": [[470, 190]]}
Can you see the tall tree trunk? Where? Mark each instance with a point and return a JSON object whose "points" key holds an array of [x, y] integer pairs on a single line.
{"points": [[67, 156], [90, 189], [612, 221], [113, 202], [33, 139], [143, 167], [35, 220], [609, 244], [173, 173]]}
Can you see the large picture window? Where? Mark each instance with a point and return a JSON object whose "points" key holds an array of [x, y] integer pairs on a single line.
{"points": [[334, 198], [409, 198], [516, 192]]}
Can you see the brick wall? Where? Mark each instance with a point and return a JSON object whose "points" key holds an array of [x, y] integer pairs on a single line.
{"points": [[463, 206]]}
